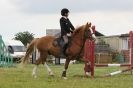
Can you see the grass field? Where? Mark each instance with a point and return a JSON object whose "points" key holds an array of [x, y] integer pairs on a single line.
{"points": [[21, 78]]}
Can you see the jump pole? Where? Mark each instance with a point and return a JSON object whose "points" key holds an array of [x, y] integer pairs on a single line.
{"points": [[118, 72], [112, 65]]}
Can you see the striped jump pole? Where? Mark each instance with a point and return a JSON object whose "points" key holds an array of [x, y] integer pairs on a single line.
{"points": [[112, 65], [118, 72]]}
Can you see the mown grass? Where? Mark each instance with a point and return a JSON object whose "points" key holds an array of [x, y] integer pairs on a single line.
{"points": [[21, 78]]}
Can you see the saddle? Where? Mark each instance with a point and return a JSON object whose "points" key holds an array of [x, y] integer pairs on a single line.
{"points": [[59, 42]]}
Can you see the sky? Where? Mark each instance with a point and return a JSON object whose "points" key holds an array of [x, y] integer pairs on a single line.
{"points": [[111, 17]]}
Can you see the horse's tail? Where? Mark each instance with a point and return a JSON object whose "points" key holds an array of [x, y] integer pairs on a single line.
{"points": [[29, 51]]}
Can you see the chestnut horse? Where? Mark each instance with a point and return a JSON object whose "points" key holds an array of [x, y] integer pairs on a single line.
{"points": [[45, 47]]}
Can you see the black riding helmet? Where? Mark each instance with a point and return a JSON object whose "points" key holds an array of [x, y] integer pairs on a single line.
{"points": [[63, 11]]}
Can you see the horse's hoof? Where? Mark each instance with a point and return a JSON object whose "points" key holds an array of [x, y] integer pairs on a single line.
{"points": [[87, 73], [51, 74], [65, 78], [35, 77]]}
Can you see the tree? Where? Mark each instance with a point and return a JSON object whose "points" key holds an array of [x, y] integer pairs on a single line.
{"points": [[25, 37]]}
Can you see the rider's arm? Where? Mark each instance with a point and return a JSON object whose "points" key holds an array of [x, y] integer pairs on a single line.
{"points": [[71, 26]]}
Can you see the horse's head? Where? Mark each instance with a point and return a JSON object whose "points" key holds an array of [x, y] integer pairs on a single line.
{"points": [[84, 32], [89, 31]]}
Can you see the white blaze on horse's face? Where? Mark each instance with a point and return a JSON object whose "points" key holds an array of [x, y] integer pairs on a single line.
{"points": [[92, 33]]}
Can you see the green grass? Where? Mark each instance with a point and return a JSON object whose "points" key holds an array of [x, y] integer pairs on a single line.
{"points": [[21, 78]]}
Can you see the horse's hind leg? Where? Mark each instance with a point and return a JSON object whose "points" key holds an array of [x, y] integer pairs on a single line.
{"points": [[48, 69], [41, 59], [34, 71], [44, 57]]}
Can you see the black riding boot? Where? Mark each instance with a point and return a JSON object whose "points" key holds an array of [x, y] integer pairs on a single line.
{"points": [[64, 49]]}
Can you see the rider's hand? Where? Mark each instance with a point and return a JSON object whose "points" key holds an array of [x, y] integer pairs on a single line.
{"points": [[71, 31]]}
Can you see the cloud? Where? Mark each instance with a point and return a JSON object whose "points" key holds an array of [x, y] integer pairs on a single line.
{"points": [[54, 6], [6, 7], [110, 16], [109, 23]]}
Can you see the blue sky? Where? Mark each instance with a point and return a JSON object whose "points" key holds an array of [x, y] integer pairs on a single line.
{"points": [[111, 17]]}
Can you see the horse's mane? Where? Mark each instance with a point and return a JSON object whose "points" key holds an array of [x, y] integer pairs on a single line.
{"points": [[77, 30]]}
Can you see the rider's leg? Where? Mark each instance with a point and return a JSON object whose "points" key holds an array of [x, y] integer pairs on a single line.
{"points": [[65, 38], [63, 45]]}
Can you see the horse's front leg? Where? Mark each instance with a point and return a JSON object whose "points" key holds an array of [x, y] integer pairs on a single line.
{"points": [[87, 69], [65, 68]]}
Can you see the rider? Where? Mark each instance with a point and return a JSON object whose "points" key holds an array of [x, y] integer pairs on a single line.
{"points": [[66, 26]]}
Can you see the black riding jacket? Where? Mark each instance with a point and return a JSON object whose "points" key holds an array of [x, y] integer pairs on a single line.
{"points": [[66, 26]]}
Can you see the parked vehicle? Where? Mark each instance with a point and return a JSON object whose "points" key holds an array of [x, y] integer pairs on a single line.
{"points": [[16, 49]]}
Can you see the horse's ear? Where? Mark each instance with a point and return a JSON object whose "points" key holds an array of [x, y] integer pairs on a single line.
{"points": [[88, 24]]}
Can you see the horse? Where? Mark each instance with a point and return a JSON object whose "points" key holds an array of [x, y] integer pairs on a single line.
{"points": [[45, 47]]}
